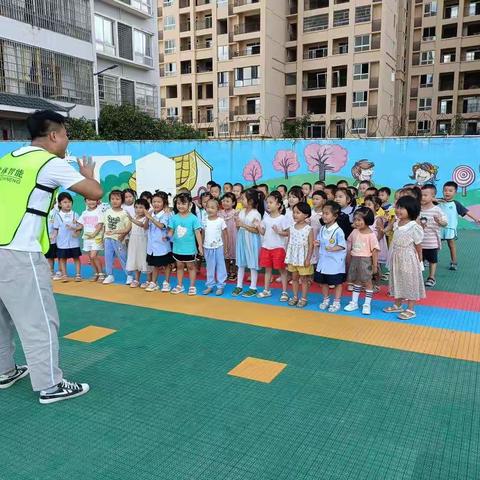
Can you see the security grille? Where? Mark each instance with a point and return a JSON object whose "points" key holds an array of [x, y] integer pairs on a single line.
{"points": [[32, 71]]}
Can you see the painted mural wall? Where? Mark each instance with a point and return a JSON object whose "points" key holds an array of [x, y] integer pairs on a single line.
{"points": [[171, 165]]}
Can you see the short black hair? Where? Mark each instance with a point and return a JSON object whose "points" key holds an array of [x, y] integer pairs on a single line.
{"points": [[333, 206], [263, 185], [366, 182], [42, 122], [366, 214], [116, 193], [411, 205], [430, 186], [162, 195], [332, 187], [342, 181], [386, 190], [232, 197], [228, 183], [210, 183], [283, 186], [215, 185], [451, 184], [146, 194], [142, 201], [374, 199], [374, 189], [303, 207], [296, 191], [238, 185], [320, 193], [63, 196], [307, 183], [319, 182], [131, 191]]}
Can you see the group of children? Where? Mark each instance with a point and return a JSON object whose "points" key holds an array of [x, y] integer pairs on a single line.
{"points": [[332, 234]]}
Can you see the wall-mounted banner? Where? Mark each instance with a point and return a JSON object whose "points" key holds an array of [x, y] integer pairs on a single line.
{"points": [[170, 165]]}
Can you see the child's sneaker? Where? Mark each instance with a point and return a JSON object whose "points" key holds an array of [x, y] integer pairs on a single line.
{"points": [[324, 305], [207, 291], [237, 291], [7, 381], [219, 292], [64, 391], [166, 287], [108, 280], [351, 307], [152, 287], [334, 307], [249, 293], [453, 266], [129, 280], [177, 290], [366, 309], [57, 276]]}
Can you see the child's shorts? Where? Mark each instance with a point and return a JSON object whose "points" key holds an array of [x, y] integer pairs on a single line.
{"points": [[302, 271], [430, 255], [69, 253], [160, 260], [52, 252], [274, 258], [448, 233], [184, 258], [360, 270], [330, 278], [90, 245]]}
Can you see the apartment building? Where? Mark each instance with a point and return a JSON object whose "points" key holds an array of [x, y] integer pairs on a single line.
{"points": [[240, 67], [443, 90], [51, 51]]}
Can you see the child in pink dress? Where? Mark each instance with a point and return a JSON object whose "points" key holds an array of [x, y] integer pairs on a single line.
{"points": [[229, 213]]}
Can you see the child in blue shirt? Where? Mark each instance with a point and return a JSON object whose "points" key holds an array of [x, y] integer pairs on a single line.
{"points": [[185, 230], [331, 266]]}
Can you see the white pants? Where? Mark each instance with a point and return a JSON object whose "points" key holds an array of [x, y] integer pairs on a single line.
{"points": [[27, 305]]}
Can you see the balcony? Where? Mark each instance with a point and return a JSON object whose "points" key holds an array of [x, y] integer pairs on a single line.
{"points": [[241, 3], [314, 4], [315, 81], [185, 27], [472, 9], [203, 24], [246, 28], [249, 109], [245, 52], [184, 4], [313, 53]]}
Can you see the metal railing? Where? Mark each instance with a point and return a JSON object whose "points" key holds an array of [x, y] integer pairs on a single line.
{"points": [[246, 28], [36, 72], [68, 17]]}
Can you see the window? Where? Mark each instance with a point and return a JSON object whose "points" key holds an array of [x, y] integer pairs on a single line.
{"points": [[253, 106], [125, 41], [223, 104], [360, 71], [362, 43], [104, 35], [360, 99], [472, 55], [315, 23], [223, 128], [340, 17], [169, 46], [446, 106], [223, 79], [430, 9], [170, 69], [253, 128], [423, 126], [167, 3], [143, 5], [451, 11], [223, 53], [169, 22], [427, 58], [471, 105], [108, 92], [426, 80], [362, 14], [443, 127], [359, 125], [143, 48], [424, 104], [342, 47], [429, 33], [172, 112], [145, 98], [247, 76]]}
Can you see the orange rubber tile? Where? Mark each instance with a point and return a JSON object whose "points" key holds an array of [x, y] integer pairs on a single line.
{"points": [[90, 334], [413, 338], [257, 369]]}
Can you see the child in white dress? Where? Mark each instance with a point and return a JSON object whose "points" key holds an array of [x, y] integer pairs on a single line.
{"points": [[137, 246]]}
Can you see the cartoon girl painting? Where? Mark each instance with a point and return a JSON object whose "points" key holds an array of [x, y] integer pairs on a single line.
{"points": [[424, 173], [363, 170]]}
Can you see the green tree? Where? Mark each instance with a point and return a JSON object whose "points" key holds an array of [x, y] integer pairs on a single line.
{"points": [[81, 129], [295, 128]]}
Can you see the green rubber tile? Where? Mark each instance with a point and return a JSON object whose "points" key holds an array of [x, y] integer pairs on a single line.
{"points": [[162, 406]]}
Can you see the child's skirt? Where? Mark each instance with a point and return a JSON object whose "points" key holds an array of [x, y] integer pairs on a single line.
{"points": [[247, 249]]}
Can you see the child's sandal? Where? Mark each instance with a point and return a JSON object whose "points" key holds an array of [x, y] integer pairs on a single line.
{"points": [[192, 291], [78, 278], [134, 284], [284, 297], [302, 303], [293, 301], [393, 309], [407, 315]]}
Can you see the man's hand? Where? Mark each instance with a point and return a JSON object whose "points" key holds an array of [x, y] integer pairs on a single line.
{"points": [[86, 167]]}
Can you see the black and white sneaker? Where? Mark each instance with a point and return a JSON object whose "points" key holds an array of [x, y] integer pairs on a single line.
{"points": [[64, 391], [7, 381]]}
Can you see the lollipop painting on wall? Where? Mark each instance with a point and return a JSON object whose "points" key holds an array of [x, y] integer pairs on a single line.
{"points": [[464, 176]]}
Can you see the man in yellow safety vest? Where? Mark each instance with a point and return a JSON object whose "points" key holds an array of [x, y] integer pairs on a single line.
{"points": [[29, 178]]}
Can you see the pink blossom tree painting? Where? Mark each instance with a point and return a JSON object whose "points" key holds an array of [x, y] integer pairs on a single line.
{"points": [[286, 161], [253, 171], [325, 158]]}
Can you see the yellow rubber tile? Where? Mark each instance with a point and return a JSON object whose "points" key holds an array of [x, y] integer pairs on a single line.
{"points": [[412, 338], [257, 369], [90, 334]]}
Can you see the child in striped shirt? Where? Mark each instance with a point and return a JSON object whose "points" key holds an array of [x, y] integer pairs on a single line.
{"points": [[432, 219]]}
